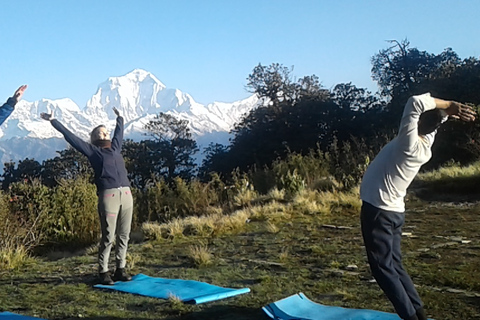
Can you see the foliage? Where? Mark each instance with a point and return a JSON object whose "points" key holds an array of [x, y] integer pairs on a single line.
{"points": [[174, 147], [68, 165], [73, 216], [215, 160], [163, 202], [274, 85], [399, 69], [25, 170], [28, 207], [349, 160]]}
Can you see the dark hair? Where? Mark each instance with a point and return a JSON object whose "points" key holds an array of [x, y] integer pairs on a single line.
{"points": [[429, 121]]}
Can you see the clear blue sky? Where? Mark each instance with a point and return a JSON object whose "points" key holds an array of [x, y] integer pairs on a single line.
{"points": [[207, 48]]}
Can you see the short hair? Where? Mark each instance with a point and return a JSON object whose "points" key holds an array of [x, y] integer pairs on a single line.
{"points": [[93, 137], [429, 122]]}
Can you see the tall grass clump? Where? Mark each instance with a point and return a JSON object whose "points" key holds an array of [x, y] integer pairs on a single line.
{"points": [[73, 215], [210, 225], [12, 258], [242, 192], [326, 203], [200, 255]]}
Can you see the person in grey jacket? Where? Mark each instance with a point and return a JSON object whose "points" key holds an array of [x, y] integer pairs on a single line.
{"points": [[383, 189], [7, 108], [115, 201]]}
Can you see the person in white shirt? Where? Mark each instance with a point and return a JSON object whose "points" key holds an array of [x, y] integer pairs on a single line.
{"points": [[383, 188]]}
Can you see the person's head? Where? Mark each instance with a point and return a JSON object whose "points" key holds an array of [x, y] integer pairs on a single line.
{"points": [[99, 136], [429, 121]]}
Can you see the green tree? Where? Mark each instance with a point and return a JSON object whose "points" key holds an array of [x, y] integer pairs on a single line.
{"points": [[273, 84], [216, 160], [174, 147], [69, 164], [400, 69], [28, 169]]}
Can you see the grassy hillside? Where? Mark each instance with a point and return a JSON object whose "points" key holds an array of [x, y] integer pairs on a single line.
{"points": [[277, 247]]}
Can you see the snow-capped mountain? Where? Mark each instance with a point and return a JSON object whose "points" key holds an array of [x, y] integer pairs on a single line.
{"points": [[138, 95]]}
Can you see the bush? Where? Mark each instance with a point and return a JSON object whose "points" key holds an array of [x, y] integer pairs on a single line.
{"points": [[27, 204], [73, 218], [163, 202]]}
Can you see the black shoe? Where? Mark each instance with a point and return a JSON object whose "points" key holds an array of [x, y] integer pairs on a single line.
{"points": [[121, 275], [105, 278], [421, 315]]}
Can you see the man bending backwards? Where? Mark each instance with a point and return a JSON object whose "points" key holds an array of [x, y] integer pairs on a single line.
{"points": [[384, 187]]}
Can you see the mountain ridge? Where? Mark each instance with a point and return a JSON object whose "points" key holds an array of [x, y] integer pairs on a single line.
{"points": [[138, 95]]}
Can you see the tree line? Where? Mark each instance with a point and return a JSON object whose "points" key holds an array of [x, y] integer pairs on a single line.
{"points": [[347, 123]]}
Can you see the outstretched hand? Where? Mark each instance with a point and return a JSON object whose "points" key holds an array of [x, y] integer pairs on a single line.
{"points": [[461, 111], [19, 93], [46, 116], [116, 111]]}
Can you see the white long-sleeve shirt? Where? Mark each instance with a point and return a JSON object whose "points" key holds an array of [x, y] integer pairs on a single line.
{"points": [[387, 178]]}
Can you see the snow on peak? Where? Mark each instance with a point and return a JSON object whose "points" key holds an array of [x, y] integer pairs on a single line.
{"points": [[139, 96]]}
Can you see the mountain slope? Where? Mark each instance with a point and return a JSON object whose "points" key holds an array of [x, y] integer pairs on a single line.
{"points": [[138, 95]]}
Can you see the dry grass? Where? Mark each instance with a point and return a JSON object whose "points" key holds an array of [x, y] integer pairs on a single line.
{"points": [[270, 211], [204, 226], [14, 258], [272, 228], [245, 197], [276, 194], [133, 259], [302, 252], [200, 255], [451, 171]]}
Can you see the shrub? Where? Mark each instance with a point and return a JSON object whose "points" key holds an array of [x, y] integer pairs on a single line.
{"points": [[163, 202], [27, 208], [73, 215], [349, 161], [311, 167]]}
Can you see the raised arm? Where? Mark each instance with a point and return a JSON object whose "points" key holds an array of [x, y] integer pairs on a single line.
{"points": [[117, 139], [455, 109], [7, 109], [79, 144]]}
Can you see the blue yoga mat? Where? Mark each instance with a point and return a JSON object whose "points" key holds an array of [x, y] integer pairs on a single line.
{"points": [[14, 316], [299, 307], [188, 291]]}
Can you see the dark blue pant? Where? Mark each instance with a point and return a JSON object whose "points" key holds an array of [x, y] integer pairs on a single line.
{"points": [[382, 232]]}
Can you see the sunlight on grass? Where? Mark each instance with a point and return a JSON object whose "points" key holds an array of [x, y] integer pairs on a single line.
{"points": [[200, 255], [232, 223], [14, 258], [152, 230], [245, 197], [284, 255], [273, 210], [451, 171], [93, 249], [276, 194], [175, 228], [272, 228], [207, 225], [132, 259]]}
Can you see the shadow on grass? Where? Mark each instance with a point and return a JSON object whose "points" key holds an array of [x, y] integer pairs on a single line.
{"points": [[448, 189], [89, 279], [213, 313], [225, 313]]}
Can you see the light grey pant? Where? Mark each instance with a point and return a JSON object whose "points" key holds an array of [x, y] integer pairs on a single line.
{"points": [[115, 208]]}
